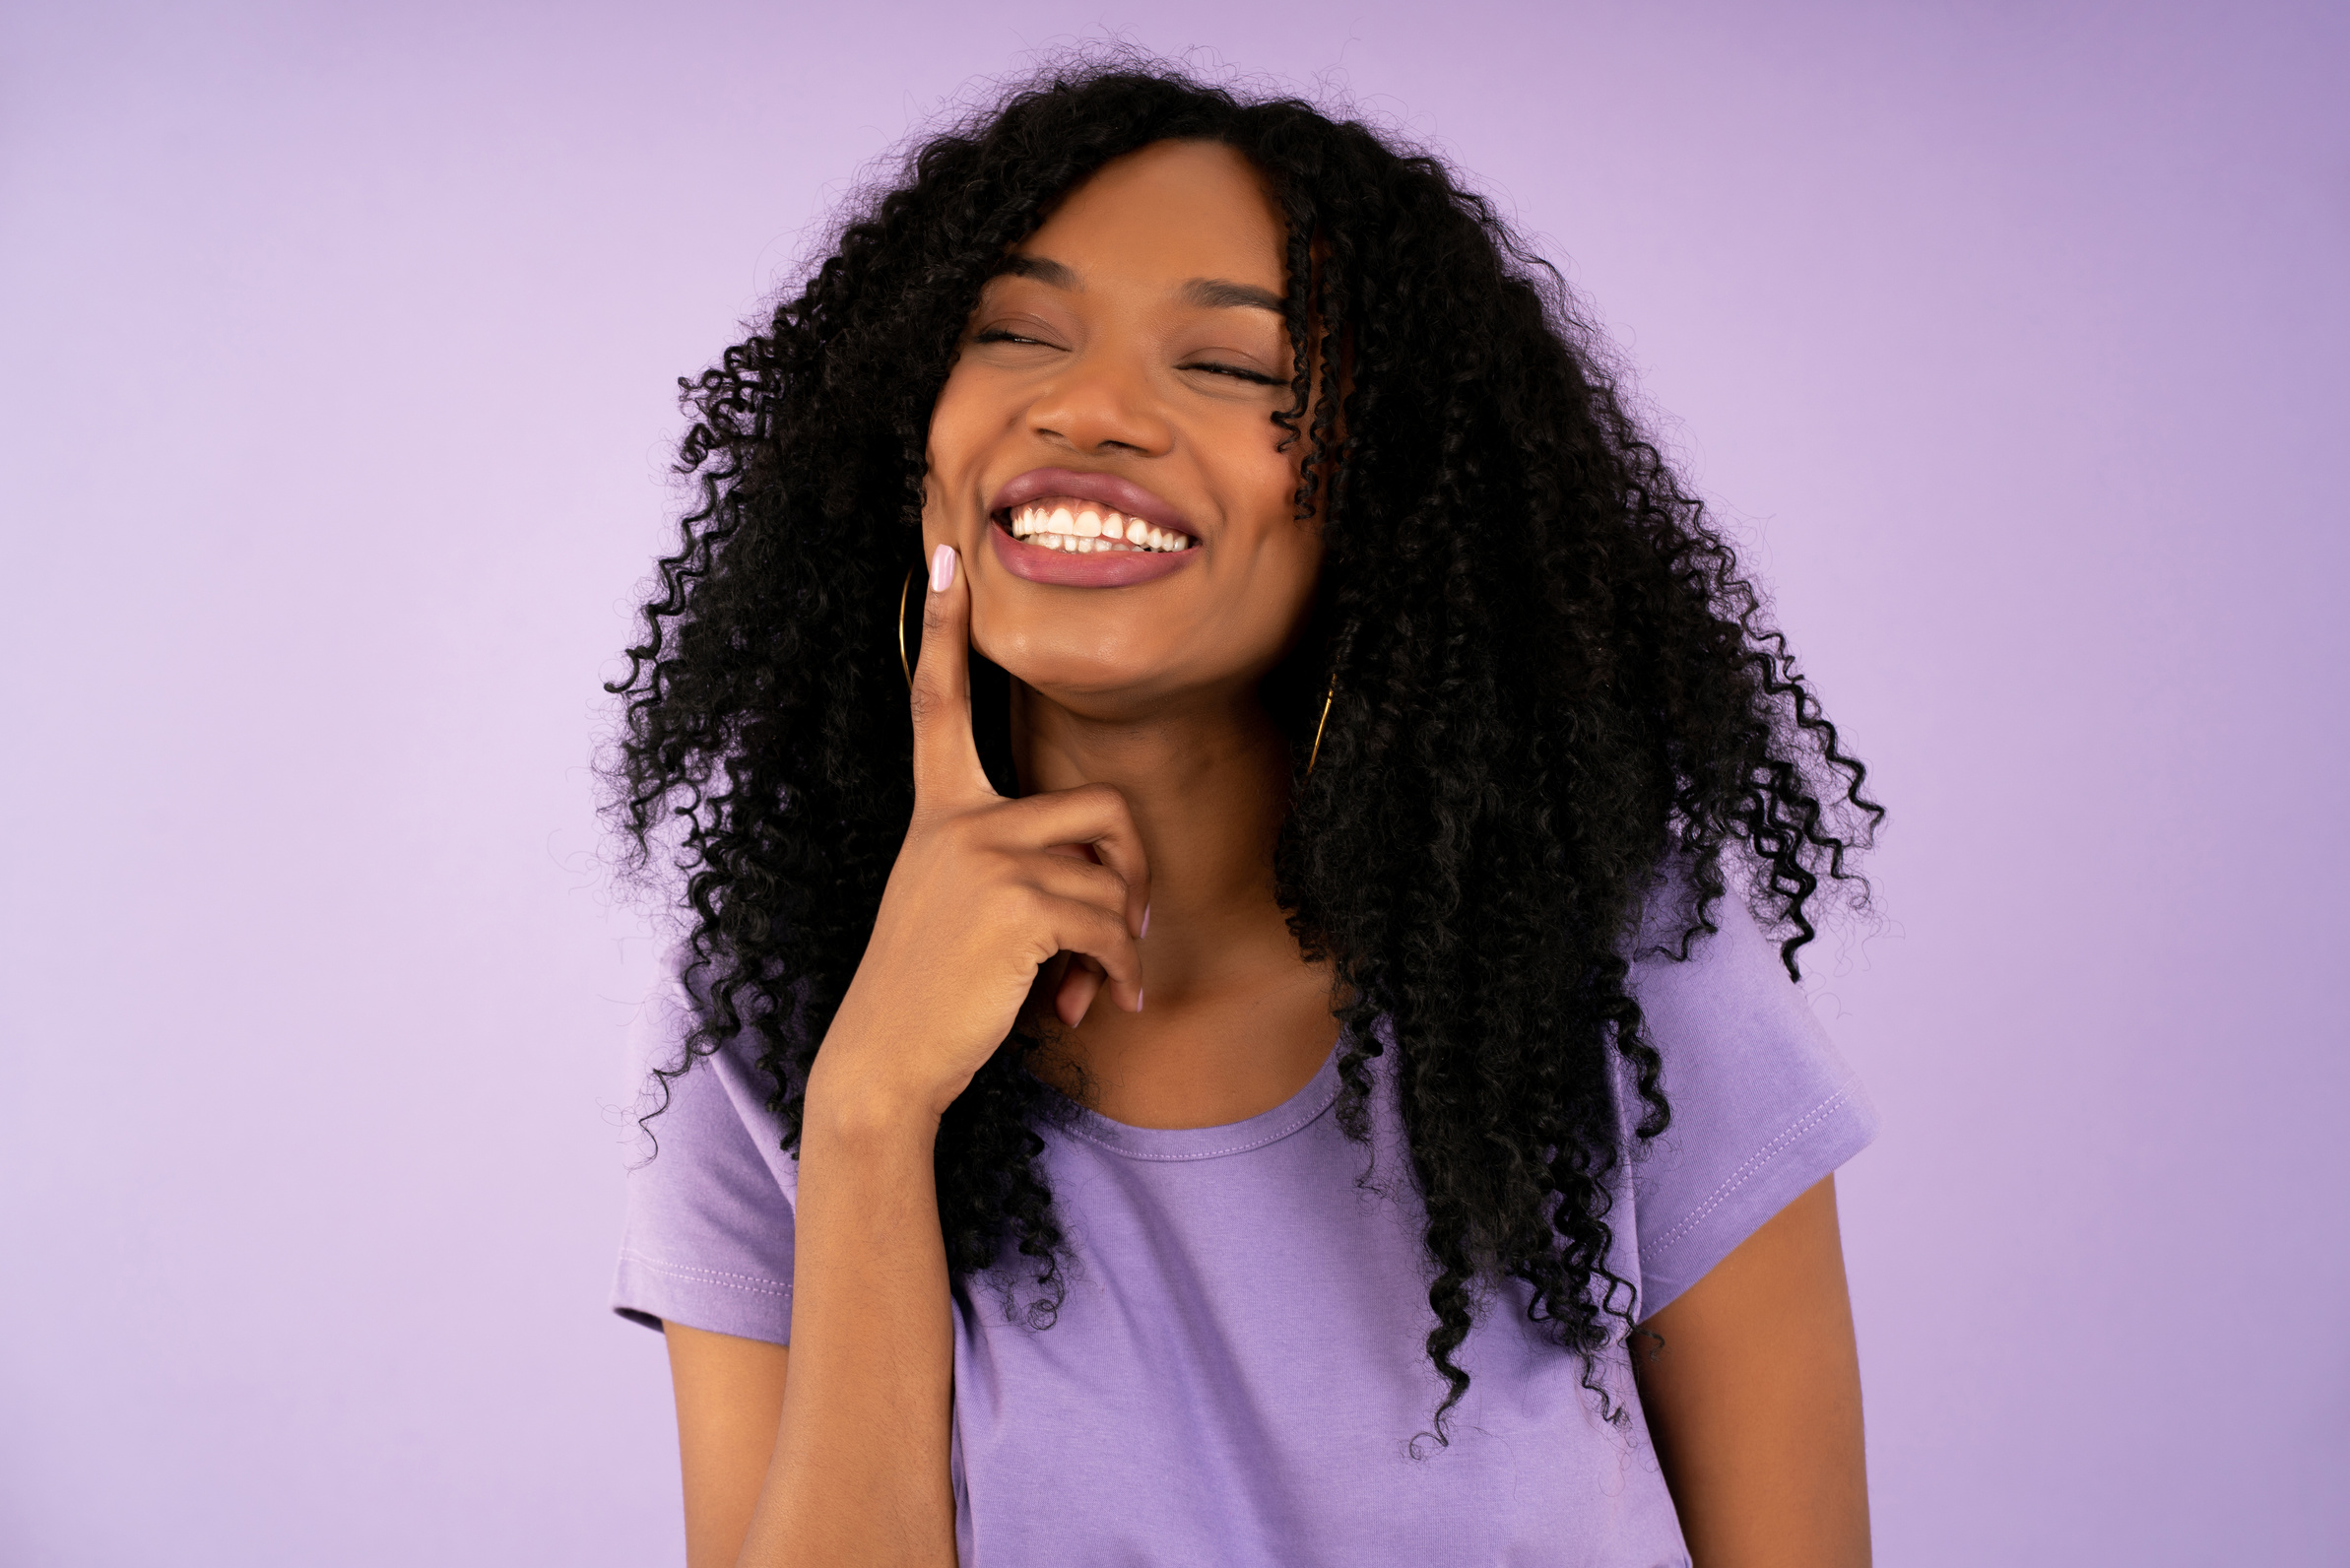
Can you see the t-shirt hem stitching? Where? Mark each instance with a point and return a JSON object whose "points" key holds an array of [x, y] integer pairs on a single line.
{"points": [[1753, 1166], [755, 1284]]}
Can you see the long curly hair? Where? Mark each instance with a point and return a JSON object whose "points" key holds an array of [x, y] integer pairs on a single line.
{"points": [[1552, 685]]}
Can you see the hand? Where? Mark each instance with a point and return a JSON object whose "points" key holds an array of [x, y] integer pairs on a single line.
{"points": [[984, 892]]}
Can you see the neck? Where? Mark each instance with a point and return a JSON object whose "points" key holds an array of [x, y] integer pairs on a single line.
{"points": [[1236, 1022], [1207, 781]]}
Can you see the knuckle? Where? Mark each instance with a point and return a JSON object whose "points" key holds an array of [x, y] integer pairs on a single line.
{"points": [[1102, 884], [1115, 803]]}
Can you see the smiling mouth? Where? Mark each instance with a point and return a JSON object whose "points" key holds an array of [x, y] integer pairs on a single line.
{"points": [[1088, 528]]}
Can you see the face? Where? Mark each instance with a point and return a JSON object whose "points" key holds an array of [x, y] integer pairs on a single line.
{"points": [[1103, 456]]}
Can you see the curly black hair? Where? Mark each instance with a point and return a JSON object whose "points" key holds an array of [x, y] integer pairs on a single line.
{"points": [[1553, 686]]}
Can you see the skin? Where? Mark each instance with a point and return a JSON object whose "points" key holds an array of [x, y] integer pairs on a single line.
{"points": [[1152, 787], [1754, 1400]]}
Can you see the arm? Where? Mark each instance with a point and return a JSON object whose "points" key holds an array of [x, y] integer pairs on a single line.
{"points": [[859, 1472], [1754, 1401], [845, 1460], [730, 1397]]}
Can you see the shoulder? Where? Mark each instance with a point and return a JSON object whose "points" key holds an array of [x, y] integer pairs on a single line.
{"points": [[711, 1189], [1761, 1105], [1709, 978]]}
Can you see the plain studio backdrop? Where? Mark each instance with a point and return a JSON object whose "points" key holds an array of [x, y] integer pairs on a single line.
{"points": [[339, 352]]}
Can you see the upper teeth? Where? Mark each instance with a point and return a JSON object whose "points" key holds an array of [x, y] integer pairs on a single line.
{"points": [[1082, 527]]}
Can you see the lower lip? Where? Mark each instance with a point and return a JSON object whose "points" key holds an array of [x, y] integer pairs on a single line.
{"points": [[1112, 569]]}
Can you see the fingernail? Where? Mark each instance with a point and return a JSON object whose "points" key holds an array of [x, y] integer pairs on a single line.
{"points": [[1145, 922], [941, 568], [1137, 998]]}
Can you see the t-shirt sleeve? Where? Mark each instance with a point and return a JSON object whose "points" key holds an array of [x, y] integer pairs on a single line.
{"points": [[707, 1240], [1762, 1105]]}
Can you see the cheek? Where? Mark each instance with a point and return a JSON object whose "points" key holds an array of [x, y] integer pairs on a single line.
{"points": [[1245, 465], [1299, 552], [957, 424], [1284, 565], [1293, 544], [1272, 479], [949, 450], [1282, 554]]}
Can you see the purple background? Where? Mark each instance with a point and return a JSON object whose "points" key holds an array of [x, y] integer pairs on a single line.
{"points": [[338, 375]]}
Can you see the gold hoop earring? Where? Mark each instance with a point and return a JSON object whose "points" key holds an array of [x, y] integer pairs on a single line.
{"points": [[904, 590], [1315, 756]]}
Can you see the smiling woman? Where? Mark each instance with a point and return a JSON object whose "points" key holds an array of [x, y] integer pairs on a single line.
{"points": [[1198, 1093]]}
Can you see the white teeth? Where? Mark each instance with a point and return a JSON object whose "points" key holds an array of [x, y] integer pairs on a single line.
{"points": [[1088, 529]]}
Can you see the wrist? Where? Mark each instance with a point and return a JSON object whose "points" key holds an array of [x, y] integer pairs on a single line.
{"points": [[860, 1110]]}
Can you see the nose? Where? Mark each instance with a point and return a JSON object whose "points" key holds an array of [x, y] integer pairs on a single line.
{"points": [[1104, 405]]}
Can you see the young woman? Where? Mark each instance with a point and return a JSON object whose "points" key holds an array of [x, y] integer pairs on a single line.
{"points": [[1285, 1060]]}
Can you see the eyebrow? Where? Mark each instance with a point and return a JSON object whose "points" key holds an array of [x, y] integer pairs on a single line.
{"points": [[1043, 269], [1218, 294], [1214, 294]]}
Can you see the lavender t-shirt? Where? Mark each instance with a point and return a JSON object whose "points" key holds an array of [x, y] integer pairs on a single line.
{"points": [[1239, 1368]]}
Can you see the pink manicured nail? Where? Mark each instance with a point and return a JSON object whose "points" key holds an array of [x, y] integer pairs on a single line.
{"points": [[1145, 922], [941, 568], [1137, 998]]}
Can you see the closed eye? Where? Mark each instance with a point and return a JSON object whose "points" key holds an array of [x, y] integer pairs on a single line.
{"points": [[1233, 370], [1211, 367]]}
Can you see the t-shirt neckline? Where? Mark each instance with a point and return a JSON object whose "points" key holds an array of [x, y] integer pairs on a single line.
{"points": [[1292, 1115]]}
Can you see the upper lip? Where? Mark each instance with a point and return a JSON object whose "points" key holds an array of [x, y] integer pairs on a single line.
{"points": [[1107, 488]]}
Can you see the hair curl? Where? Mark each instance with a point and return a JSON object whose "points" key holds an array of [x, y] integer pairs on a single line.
{"points": [[1532, 722]]}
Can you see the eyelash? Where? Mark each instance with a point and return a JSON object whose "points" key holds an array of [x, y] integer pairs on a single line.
{"points": [[999, 335], [1236, 372]]}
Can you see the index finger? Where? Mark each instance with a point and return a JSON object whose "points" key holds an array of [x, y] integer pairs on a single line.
{"points": [[946, 768]]}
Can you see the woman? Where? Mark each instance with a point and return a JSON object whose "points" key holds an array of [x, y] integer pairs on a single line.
{"points": [[1199, 1093]]}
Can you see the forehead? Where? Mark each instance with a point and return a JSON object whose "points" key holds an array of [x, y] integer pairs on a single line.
{"points": [[1172, 210]]}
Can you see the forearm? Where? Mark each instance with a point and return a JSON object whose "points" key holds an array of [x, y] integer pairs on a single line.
{"points": [[860, 1467]]}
